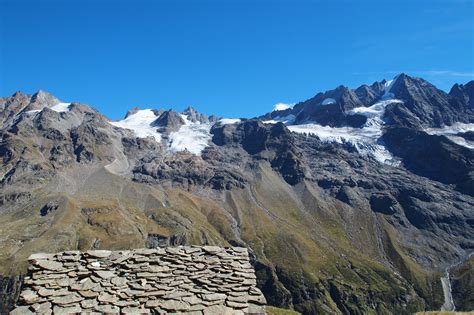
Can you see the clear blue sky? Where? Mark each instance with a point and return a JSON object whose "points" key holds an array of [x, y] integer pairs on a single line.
{"points": [[231, 58]]}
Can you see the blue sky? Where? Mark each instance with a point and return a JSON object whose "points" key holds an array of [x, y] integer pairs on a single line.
{"points": [[231, 58]]}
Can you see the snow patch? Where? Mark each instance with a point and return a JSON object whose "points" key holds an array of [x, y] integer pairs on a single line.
{"points": [[140, 123], [282, 106], [229, 121], [34, 111], [193, 137], [287, 120], [61, 107], [366, 139], [451, 132], [328, 101], [387, 87]]}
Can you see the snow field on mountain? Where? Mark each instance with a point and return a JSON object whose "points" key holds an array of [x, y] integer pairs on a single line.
{"points": [[192, 136], [61, 107], [366, 139], [229, 121], [140, 124], [451, 132], [328, 101]]}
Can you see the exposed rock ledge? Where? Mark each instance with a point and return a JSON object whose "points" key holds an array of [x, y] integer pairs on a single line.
{"points": [[184, 279]]}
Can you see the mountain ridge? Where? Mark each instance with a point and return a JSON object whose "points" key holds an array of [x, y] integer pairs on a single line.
{"points": [[330, 229]]}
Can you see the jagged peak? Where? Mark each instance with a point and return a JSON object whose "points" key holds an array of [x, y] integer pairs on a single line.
{"points": [[190, 109], [18, 94], [169, 119], [132, 111], [195, 116], [44, 98]]}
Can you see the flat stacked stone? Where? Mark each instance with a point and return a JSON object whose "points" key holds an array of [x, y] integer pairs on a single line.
{"points": [[184, 279]]}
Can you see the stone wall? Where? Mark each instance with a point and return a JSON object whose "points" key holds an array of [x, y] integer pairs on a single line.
{"points": [[193, 280]]}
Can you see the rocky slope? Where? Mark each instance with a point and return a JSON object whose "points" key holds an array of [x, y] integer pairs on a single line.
{"points": [[330, 225]]}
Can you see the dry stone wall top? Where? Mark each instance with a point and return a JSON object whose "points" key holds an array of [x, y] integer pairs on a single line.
{"points": [[184, 279]]}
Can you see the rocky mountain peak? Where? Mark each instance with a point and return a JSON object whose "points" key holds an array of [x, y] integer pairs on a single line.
{"points": [[430, 106], [18, 94], [195, 116], [170, 119], [132, 111], [42, 99], [464, 93], [366, 94]]}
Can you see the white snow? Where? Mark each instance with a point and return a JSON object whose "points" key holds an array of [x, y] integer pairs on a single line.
{"points": [[452, 131], [328, 101], [193, 137], [61, 107], [287, 120], [365, 139], [282, 106], [34, 111], [229, 121], [387, 87], [140, 124]]}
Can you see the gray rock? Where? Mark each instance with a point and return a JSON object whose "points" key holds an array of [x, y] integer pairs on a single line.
{"points": [[89, 303], [49, 264], [107, 298], [52, 292], [29, 296], [109, 309], [135, 310], [40, 256], [21, 310], [119, 281], [66, 310], [84, 285], [88, 293], [99, 253], [213, 297], [105, 274], [67, 299], [174, 306], [43, 308], [218, 310]]}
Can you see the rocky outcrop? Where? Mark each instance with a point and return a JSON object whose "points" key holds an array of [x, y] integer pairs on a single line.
{"points": [[202, 280], [462, 284], [10, 288], [273, 143], [330, 108], [464, 94], [169, 121], [195, 116], [435, 157]]}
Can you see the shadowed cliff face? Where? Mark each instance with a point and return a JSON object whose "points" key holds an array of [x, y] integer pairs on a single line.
{"points": [[329, 230]]}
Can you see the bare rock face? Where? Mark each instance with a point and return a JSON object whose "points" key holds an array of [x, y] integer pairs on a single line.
{"points": [[430, 106], [41, 99], [169, 121], [206, 280], [464, 94], [194, 116], [269, 142], [433, 156]]}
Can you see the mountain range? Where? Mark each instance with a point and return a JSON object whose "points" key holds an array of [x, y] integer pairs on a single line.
{"points": [[355, 201]]}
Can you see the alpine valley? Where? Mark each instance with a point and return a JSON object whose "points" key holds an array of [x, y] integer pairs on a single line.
{"points": [[355, 201]]}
